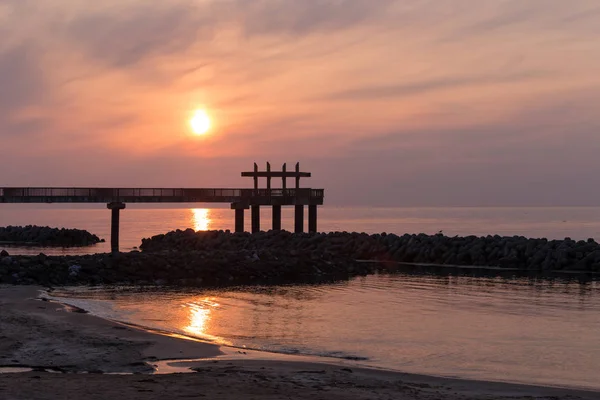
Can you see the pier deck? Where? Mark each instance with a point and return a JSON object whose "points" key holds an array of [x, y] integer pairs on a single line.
{"points": [[247, 197]]}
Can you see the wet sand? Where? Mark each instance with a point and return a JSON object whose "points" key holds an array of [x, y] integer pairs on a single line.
{"points": [[40, 334]]}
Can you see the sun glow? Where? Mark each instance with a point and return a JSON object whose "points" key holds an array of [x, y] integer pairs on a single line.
{"points": [[200, 122]]}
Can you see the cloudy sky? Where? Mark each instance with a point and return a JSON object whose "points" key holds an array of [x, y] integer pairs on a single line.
{"points": [[412, 102]]}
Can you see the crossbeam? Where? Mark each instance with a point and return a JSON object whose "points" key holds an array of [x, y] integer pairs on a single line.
{"points": [[276, 174]]}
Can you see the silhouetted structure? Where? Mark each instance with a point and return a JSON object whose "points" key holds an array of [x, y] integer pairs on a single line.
{"points": [[300, 199], [240, 199]]}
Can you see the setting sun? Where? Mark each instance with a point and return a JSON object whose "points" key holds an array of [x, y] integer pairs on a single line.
{"points": [[200, 122]]}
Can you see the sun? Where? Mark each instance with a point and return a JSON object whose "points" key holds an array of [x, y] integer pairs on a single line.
{"points": [[200, 122]]}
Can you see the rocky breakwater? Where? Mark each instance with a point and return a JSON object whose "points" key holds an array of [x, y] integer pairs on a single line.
{"points": [[45, 236], [215, 267], [514, 252], [217, 258]]}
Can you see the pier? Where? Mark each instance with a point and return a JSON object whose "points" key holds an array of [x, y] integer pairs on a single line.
{"points": [[240, 199]]}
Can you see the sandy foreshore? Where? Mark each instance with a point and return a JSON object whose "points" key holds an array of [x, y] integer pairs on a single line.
{"points": [[43, 335]]}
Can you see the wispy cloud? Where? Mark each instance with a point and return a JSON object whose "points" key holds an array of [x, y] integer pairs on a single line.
{"points": [[21, 78], [434, 85], [137, 33]]}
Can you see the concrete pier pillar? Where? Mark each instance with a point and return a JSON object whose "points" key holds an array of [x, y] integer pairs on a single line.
{"points": [[312, 218], [239, 220], [114, 224], [255, 218], [276, 218], [299, 219]]}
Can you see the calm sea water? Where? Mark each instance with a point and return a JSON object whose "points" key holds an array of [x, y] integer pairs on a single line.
{"points": [[138, 222], [532, 331], [529, 331]]}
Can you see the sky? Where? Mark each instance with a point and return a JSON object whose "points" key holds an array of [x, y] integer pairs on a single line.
{"points": [[387, 103]]}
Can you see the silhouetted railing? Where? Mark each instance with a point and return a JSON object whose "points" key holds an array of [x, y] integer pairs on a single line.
{"points": [[262, 196]]}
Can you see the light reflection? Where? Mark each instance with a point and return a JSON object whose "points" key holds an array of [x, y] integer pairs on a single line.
{"points": [[199, 319], [201, 219]]}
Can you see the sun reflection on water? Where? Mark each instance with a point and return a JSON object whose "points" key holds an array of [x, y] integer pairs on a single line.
{"points": [[200, 314], [201, 219]]}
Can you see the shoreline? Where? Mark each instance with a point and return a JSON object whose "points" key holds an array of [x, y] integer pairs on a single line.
{"points": [[46, 334], [231, 352], [36, 333]]}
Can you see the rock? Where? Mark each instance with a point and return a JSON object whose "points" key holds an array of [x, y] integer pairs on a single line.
{"points": [[74, 270], [46, 236]]}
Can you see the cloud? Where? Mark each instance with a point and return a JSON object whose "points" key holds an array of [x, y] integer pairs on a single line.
{"points": [[137, 32], [421, 87], [515, 16], [20, 78], [297, 18], [23, 88], [125, 36], [503, 15]]}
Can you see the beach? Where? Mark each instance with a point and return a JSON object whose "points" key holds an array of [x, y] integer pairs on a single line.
{"points": [[101, 359]]}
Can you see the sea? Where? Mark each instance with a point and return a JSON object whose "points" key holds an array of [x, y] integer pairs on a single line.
{"points": [[524, 330]]}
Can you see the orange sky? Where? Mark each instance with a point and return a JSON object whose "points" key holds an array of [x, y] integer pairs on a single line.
{"points": [[386, 102]]}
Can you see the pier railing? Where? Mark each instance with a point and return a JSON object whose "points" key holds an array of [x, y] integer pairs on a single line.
{"points": [[177, 195]]}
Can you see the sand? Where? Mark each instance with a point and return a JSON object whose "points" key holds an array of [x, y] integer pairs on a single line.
{"points": [[45, 335]]}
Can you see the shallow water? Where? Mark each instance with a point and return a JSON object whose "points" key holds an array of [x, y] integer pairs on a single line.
{"points": [[517, 330]]}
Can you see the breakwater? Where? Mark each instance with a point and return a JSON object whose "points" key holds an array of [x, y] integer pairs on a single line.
{"points": [[221, 258], [33, 235], [515, 252], [188, 268]]}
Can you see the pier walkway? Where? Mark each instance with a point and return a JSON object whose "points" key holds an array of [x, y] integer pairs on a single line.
{"points": [[250, 197], [240, 199]]}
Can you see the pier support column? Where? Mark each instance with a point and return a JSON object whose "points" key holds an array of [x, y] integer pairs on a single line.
{"points": [[312, 218], [239, 220], [255, 218], [114, 225], [299, 219], [276, 218]]}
